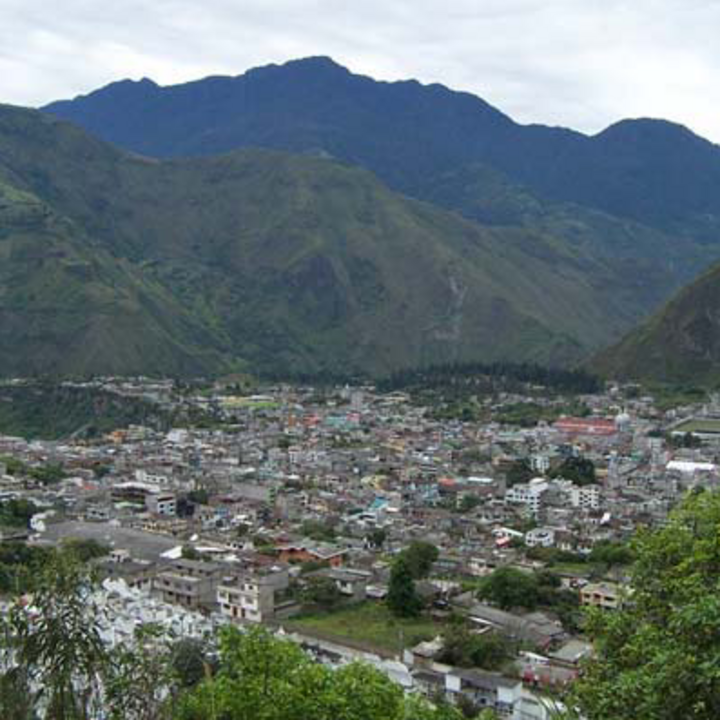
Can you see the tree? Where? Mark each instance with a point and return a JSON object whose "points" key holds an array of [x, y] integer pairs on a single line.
{"points": [[50, 474], [420, 556], [188, 659], [465, 649], [468, 503], [519, 472], [611, 553], [657, 656], [322, 592], [137, 678], [199, 497], [261, 677], [376, 538], [508, 587], [402, 599], [578, 469], [84, 549], [57, 640], [188, 552], [317, 530], [17, 512]]}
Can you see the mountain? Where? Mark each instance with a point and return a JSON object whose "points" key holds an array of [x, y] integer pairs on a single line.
{"points": [[680, 343], [68, 306], [412, 136], [260, 259]]}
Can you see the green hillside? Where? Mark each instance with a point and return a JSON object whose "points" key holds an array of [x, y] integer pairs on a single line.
{"points": [[117, 263], [68, 307], [681, 343]]}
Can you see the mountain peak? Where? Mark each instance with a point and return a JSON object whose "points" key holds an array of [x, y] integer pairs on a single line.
{"points": [[654, 129], [316, 62]]}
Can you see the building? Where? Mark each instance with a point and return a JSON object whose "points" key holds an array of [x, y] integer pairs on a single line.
{"points": [[586, 426], [312, 552], [190, 583], [604, 595], [540, 537], [528, 494], [162, 503], [484, 689], [585, 498], [350, 583], [254, 596]]}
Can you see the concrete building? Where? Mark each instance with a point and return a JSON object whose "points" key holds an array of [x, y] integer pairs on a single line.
{"points": [[604, 595], [190, 583], [253, 596]]}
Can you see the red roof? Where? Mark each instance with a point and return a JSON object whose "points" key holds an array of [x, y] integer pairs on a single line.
{"points": [[586, 426]]}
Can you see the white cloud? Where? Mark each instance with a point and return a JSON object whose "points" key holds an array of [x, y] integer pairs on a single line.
{"points": [[580, 63]]}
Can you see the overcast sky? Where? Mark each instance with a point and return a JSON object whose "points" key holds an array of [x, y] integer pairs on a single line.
{"points": [[579, 63]]}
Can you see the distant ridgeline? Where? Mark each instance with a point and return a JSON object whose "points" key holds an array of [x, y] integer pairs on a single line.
{"points": [[51, 411], [274, 229]]}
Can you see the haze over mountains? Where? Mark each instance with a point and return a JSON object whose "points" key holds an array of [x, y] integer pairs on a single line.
{"points": [[241, 257]]}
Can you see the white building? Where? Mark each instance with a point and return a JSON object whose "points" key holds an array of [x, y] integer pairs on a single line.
{"points": [[586, 498], [528, 494]]}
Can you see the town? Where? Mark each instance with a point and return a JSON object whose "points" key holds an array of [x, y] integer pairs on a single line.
{"points": [[451, 540]]}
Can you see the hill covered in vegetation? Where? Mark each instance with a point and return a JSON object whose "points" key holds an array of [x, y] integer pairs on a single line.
{"points": [[114, 263]]}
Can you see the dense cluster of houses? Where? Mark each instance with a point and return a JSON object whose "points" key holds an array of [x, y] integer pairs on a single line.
{"points": [[225, 523]]}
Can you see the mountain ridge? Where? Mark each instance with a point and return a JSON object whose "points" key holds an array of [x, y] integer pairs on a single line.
{"points": [[261, 258], [678, 344]]}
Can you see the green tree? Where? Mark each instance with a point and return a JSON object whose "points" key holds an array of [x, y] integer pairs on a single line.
{"points": [[189, 661], [321, 592], [519, 472], [263, 678], [578, 469], [137, 679], [659, 655], [199, 497], [318, 530], [50, 474], [402, 599], [508, 587], [465, 649], [611, 553], [84, 549], [58, 642], [188, 552], [420, 556], [468, 503], [376, 538], [17, 512], [16, 698]]}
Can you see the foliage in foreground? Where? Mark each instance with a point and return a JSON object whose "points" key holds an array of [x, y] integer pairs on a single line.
{"points": [[54, 665], [659, 657]]}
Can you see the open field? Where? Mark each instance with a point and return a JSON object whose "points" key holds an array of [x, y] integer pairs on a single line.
{"points": [[699, 425], [368, 625]]}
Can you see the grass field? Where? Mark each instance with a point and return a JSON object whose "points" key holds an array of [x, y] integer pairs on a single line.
{"points": [[701, 425], [369, 624]]}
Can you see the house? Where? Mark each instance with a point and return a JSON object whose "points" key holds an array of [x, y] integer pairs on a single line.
{"points": [[162, 503], [540, 537], [535, 629], [585, 498], [484, 689], [307, 551], [190, 583], [253, 596], [605, 595], [351, 583], [528, 494]]}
